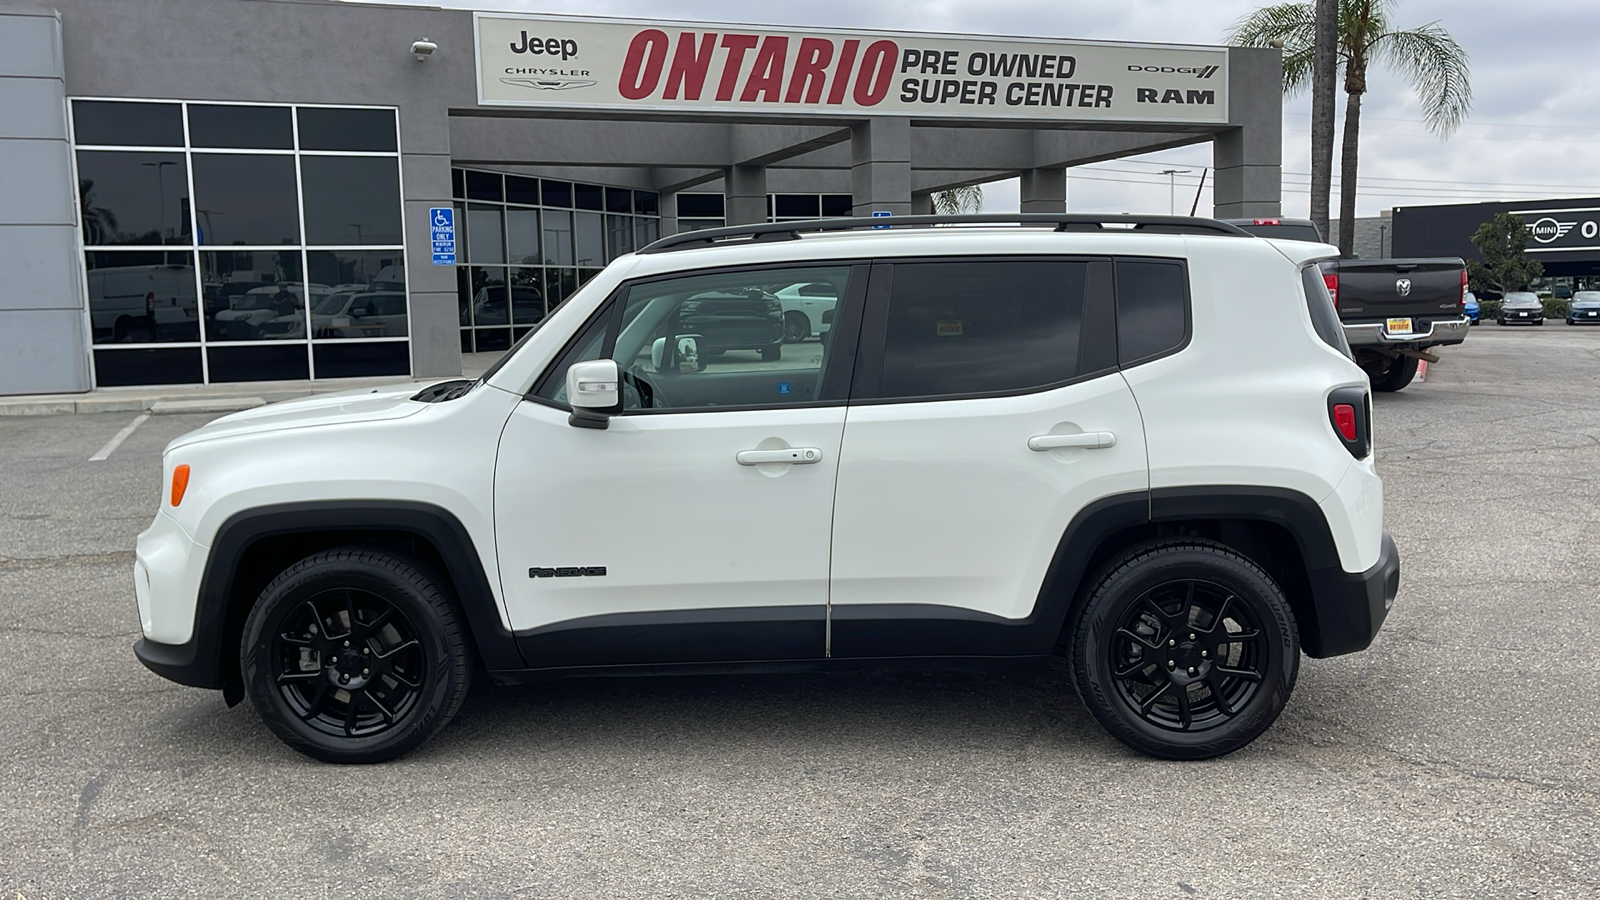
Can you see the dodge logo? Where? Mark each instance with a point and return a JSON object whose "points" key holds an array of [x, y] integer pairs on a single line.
{"points": [[1403, 287]]}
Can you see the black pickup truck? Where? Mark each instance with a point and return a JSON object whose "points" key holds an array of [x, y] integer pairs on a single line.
{"points": [[1392, 310]]}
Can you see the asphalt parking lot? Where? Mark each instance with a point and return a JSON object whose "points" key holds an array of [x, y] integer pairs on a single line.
{"points": [[1459, 757]]}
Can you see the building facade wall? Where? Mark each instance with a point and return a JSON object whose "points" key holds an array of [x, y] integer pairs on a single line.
{"points": [[326, 52]]}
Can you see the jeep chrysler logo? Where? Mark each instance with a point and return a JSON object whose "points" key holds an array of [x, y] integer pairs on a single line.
{"points": [[551, 84], [566, 48], [1198, 72], [1548, 230], [1403, 287]]}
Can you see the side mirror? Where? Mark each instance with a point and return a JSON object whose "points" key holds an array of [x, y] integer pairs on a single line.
{"points": [[594, 392], [685, 356], [358, 313]]}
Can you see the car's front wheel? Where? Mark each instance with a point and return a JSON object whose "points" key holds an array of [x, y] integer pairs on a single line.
{"points": [[355, 656], [1185, 650]]}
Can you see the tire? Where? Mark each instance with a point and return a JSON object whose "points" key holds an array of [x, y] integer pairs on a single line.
{"points": [[796, 327], [1396, 375], [772, 353], [1149, 605], [1538, 322], [294, 659]]}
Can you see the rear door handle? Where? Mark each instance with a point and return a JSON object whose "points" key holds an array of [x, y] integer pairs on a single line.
{"points": [[1091, 440], [796, 456]]}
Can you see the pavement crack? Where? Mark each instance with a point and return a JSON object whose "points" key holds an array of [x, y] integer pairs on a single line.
{"points": [[75, 560]]}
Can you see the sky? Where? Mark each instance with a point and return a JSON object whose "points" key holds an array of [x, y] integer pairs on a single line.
{"points": [[1531, 134]]}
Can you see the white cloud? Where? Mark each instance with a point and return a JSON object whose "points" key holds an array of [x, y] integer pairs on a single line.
{"points": [[1535, 116]]}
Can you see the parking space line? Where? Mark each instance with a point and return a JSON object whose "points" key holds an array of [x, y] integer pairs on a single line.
{"points": [[117, 439]]}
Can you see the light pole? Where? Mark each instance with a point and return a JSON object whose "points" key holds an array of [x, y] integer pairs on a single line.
{"points": [[161, 189], [1172, 188]]}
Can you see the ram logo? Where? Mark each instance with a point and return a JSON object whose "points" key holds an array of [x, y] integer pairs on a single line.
{"points": [[1403, 287]]}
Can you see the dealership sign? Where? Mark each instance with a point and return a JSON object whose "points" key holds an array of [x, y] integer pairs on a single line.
{"points": [[1558, 230], [643, 66]]}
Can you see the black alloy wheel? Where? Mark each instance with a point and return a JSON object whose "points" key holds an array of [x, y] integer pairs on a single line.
{"points": [[1186, 650], [347, 662], [354, 655], [796, 327]]}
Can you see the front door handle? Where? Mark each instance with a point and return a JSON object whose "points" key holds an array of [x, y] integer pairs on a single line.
{"points": [[1090, 440], [797, 456]]}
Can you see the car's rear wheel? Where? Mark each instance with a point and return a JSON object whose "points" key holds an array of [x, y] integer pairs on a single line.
{"points": [[796, 327], [1185, 650], [354, 656], [1392, 374]]}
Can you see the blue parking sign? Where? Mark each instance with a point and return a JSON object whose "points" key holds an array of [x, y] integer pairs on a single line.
{"points": [[442, 227], [880, 214]]}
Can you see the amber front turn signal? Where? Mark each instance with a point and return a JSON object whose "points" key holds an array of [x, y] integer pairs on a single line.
{"points": [[180, 483]]}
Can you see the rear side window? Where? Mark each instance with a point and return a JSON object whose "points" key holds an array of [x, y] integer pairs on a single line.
{"points": [[1323, 317], [1152, 309], [957, 328]]}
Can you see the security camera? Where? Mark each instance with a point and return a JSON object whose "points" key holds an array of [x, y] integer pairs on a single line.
{"points": [[423, 49]]}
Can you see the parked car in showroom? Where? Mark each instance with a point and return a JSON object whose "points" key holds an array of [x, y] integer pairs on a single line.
{"points": [[1469, 302], [1584, 308], [1521, 307]]}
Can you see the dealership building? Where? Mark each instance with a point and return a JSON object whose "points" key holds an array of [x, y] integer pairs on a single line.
{"points": [[215, 191], [1563, 235]]}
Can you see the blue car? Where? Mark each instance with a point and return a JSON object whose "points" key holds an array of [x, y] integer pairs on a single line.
{"points": [[1470, 307]]}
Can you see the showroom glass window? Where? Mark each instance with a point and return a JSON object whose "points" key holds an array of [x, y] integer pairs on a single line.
{"points": [[529, 243], [241, 242]]}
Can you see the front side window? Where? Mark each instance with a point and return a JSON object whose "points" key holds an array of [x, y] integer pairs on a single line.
{"points": [[972, 327], [707, 341]]}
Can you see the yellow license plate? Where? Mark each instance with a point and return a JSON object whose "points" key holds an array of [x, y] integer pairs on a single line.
{"points": [[1398, 326]]}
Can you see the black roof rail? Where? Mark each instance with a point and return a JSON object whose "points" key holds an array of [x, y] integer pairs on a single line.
{"points": [[788, 231]]}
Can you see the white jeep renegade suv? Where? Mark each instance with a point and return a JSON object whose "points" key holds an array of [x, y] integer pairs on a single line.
{"points": [[1139, 443]]}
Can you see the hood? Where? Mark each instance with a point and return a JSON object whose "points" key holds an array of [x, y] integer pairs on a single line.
{"points": [[341, 408]]}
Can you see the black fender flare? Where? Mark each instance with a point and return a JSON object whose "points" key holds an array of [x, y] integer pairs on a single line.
{"points": [[203, 661]]}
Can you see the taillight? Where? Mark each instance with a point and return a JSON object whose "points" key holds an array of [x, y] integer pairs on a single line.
{"points": [[150, 303], [1463, 288], [1332, 281], [1344, 418], [1269, 221], [1350, 413]]}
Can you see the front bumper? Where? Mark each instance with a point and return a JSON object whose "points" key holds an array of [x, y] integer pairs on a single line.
{"points": [[1376, 334], [1350, 608]]}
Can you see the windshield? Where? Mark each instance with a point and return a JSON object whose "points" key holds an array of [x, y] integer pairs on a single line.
{"points": [[1521, 299], [1586, 297]]}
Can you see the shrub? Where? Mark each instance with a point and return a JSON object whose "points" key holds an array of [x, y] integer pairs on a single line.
{"points": [[1555, 307], [1488, 309]]}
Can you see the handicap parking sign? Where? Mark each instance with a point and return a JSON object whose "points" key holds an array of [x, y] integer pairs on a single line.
{"points": [[442, 226]]}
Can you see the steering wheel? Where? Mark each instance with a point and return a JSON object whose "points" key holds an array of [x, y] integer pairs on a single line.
{"points": [[642, 393]]}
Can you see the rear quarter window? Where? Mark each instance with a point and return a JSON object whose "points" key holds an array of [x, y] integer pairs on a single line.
{"points": [[1152, 309], [1323, 317]]}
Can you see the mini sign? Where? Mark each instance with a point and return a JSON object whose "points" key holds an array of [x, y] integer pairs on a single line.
{"points": [[881, 214], [442, 226], [675, 67]]}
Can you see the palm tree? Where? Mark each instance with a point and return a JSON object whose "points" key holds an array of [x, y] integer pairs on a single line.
{"points": [[1427, 56], [99, 223], [956, 201]]}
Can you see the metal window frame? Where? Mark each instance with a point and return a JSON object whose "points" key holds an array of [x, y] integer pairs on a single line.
{"points": [[194, 248]]}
